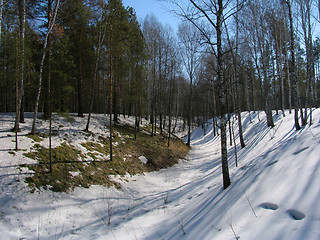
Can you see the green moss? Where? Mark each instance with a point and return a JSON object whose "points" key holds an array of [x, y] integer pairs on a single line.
{"points": [[67, 116], [35, 137], [67, 159], [102, 147], [147, 128]]}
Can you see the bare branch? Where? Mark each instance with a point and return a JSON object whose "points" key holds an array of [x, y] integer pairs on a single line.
{"points": [[204, 13]]}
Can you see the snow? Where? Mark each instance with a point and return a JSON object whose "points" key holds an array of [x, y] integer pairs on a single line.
{"points": [[276, 183], [143, 159]]}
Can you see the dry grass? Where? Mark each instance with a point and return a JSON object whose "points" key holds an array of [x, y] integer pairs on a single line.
{"points": [[72, 168]]}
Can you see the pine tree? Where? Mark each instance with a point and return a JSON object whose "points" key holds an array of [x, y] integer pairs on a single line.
{"points": [[117, 45]]}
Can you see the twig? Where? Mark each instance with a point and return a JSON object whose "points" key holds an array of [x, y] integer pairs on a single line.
{"points": [[109, 211], [104, 221], [166, 198], [249, 203], [230, 225], [39, 222], [134, 232], [144, 234], [158, 232], [181, 226]]}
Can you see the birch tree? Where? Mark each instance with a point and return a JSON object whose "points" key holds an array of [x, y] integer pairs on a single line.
{"points": [[208, 17], [44, 52], [101, 37], [293, 68], [190, 51], [20, 56], [305, 20]]}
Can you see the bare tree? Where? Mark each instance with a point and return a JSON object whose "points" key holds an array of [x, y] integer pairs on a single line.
{"points": [[212, 14], [319, 7], [293, 70], [151, 30], [190, 41], [236, 64], [305, 16], [44, 52], [20, 56]]}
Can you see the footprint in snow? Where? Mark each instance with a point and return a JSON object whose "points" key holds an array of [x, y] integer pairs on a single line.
{"points": [[295, 214], [269, 206]]}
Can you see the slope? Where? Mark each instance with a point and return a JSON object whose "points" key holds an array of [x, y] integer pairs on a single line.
{"points": [[274, 192], [275, 185]]}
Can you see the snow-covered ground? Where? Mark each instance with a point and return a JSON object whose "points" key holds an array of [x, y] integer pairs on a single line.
{"points": [[275, 185]]}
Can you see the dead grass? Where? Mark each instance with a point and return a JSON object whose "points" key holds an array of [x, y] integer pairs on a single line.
{"points": [[72, 168]]}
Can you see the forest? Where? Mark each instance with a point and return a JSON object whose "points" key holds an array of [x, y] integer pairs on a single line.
{"points": [[226, 57]]}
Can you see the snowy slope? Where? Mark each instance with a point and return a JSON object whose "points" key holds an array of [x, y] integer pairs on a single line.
{"points": [[276, 182]]}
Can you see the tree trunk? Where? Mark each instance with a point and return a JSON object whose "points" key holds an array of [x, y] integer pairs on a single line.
{"points": [[224, 151], [268, 98], [137, 100], [214, 124], [235, 145], [110, 104], [20, 65], [46, 82], [190, 111], [246, 88], [16, 125], [100, 40], [230, 131], [22, 120], [293, 71], [46, 85], [289, 85], [80, 75], [50, 26], [238, 91], [279, 61], [116, 95]]}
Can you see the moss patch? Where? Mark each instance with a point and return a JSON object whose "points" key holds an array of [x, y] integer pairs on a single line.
{"points": [[72, 168], [67, 116], [35, 137]]}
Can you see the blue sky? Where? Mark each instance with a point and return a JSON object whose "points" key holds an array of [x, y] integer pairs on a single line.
{"points": [[158, 8]]}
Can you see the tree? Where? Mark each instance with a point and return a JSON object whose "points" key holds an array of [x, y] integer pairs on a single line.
{"points": [[305, 14], [44, 52], [77, 20], [136, 60], [101, 28], [236, 64], [293, 70], [117, 44], [213, 14], [152, 33], [190, 41], [2, 4], [20, 66]]}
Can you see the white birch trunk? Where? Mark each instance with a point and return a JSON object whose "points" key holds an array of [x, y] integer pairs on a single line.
{"points": [[50, 26]]}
